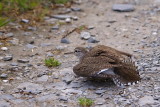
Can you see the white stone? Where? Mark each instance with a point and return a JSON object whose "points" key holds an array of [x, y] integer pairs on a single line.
{"points": [[75, 18], [68, 20], [25, 20], [100, 101], [4, 48], [129, 83], [85, 35], [133, 83], [154, 33], [43, 78], [5, 80], [146, 100]]}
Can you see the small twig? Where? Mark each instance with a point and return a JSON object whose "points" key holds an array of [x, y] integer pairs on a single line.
{"points": [[69, 32]]}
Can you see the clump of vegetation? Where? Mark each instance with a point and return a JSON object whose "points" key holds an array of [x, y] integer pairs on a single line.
{"points": [[51, 62], [85, 102], [80, 28], [60, 1], [4, 21], [16, 7], [83, 27]]}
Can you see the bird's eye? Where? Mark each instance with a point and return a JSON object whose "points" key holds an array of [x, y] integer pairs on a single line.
{"points": [[76, 51]]}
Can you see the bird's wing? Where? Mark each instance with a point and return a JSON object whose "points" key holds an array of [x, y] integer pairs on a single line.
{"points": [[94, 70], [101, 50], [111, 57], [111, 50], [98, 60], [128, 72]]}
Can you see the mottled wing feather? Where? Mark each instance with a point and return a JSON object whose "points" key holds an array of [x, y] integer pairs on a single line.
{"points": [[111, 50], [91, 70], [96, 52], [98, 60], [127, 73]]}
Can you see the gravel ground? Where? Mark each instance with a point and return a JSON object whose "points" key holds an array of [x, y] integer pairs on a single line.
{"points": [[26, 82]]}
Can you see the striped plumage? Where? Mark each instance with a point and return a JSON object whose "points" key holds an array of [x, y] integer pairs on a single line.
{"points": [[105, 62]]}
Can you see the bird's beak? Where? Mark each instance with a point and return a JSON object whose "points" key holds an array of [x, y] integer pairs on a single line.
{"points": [[69, 53]]}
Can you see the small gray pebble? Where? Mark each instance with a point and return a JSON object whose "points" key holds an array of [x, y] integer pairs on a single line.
{"points": [[92, 40], [65, 40], [27, 33], [23, 60], [32, 28], [112, 21], [63, 98], [3, 75], [123, 7], [74, 17], [99, 92], [31, 42], [61, 17], [91, 27], [1, 33], [76, 9], [56, 27], [9, 35], [67, 79], [155, 62], [29, 65], [14, 41], [45, 44], [8, 58], [49, 54], [43, 78], [14, 64]]}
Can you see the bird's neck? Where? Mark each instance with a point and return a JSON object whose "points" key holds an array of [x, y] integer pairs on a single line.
{"points": [[81, 58]]}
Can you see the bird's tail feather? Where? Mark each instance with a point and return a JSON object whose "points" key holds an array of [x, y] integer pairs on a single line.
{"points": [[120, 82]]}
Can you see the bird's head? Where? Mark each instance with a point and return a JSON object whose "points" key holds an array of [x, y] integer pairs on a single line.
{"points": [[80, 52]]}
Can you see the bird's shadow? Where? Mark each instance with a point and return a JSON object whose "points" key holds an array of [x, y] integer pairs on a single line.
{"points": [[99, 87], [97, 83]]}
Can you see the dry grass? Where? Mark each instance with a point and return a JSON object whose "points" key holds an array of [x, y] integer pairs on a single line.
{"points": [[32, 10]]}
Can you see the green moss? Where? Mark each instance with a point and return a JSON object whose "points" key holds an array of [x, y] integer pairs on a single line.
{"points": [[61, 1], [83, 27], [51, 62], [85, 102]]}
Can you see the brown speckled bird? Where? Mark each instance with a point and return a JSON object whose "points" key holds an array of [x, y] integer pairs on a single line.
{"points": [[105, 62]]}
